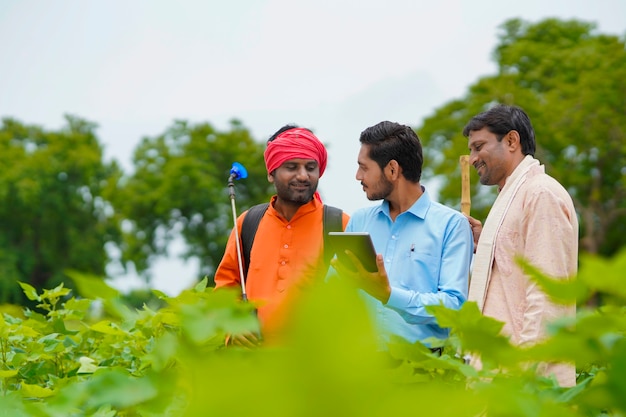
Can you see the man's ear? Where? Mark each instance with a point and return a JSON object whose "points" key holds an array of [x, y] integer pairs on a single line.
{"points": [[394, 169], [513, 140], [270, 177]]}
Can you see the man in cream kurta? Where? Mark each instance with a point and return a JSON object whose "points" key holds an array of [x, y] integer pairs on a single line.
{"points": [[533, 217]]}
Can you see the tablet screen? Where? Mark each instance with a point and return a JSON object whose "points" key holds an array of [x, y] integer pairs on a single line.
{"points": [[359, 243]]}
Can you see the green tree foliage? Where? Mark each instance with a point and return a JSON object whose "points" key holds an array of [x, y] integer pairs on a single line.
{"points": [[52, 211], [571, 81], [179, 188]]}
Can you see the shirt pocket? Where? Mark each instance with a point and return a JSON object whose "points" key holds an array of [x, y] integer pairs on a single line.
{"points": [[422, 273]]}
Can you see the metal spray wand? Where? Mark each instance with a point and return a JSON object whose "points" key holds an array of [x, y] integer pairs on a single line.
{"points": [[237, 172]]}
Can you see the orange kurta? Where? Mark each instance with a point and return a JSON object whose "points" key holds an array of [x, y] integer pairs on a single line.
{"points": [[285, 257]]}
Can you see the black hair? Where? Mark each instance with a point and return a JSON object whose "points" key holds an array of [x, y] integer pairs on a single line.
{"points": [[500, 120], [392, 141]]}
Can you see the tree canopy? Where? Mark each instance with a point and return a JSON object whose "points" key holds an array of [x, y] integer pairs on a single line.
{"points": [[62, 207], [179, 188], [52, 212], [571, 80]]}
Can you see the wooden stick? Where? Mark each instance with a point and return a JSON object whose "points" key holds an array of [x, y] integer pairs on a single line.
{"points": [[466, 201]]}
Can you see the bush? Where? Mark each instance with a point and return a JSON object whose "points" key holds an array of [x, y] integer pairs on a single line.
{"points": [[93, 355]]}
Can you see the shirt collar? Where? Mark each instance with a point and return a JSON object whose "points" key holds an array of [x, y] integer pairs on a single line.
{"points": [[418, 209], [522, 168], [312, 205]]}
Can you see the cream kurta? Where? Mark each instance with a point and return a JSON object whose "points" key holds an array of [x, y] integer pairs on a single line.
{"points": [[540, 224]]}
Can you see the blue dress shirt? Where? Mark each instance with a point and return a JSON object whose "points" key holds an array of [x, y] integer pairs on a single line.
{"points": [[427, 252]]}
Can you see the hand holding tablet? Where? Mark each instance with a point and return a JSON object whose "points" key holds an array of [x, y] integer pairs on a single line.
{"points": [[359, 243]]}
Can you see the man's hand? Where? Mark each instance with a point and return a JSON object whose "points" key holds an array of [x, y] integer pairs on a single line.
{"points": [[246, 340], [477, 228], [375, 284]]}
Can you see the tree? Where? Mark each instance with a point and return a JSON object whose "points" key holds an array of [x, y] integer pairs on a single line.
{"points": [[571, 81], [179, 188], [52, 212]]}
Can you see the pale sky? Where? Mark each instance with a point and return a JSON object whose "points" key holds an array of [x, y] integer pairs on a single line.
{"points": [[336, 67]]}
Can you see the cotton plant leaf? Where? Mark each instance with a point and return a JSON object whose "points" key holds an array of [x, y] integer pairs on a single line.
{"points": [[29, 291], [562, 290]]}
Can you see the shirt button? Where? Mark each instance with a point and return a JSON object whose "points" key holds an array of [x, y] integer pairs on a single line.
{"points": [[285, 246], [283, 262], [288, 226]]}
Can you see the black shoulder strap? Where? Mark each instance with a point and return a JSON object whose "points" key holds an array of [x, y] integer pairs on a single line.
{"points": [[333, 222], [248, 231]]}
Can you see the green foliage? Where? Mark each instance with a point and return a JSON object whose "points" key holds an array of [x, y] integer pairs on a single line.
{"points": [[180, 187], [52, 211], [88, 356], [572, 83], [61, 206]]}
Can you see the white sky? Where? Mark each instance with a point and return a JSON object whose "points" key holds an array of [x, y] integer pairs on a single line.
{"points": [[336, 67]]}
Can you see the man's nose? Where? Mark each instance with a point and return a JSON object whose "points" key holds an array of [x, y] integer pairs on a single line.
{"points": [[302, 173], [473, 157]]}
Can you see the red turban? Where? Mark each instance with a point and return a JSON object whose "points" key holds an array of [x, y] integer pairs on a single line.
{"points": [[296, 143]]}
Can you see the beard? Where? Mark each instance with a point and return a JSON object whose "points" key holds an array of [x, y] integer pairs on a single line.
{"points": [[288, 192], [383, 188]]}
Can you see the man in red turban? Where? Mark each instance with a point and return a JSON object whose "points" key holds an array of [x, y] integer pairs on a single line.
{"points": [[295, 143], [288, 246]]}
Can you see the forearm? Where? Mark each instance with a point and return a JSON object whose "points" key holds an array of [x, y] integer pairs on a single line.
{"points": [[412, 305], [451, 284]]}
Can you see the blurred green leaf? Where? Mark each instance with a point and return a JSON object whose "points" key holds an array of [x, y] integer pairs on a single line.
{"points": [[30, 291], [92, 287], [562, 290]]}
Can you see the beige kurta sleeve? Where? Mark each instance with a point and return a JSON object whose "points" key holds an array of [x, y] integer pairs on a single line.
{"points": [[551, 245]]}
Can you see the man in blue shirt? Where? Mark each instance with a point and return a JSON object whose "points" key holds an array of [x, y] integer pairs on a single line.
{"points": [[424, 248]]}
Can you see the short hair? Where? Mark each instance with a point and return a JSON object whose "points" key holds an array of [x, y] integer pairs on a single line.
{"points": [[392, 141], [500, 120]]}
